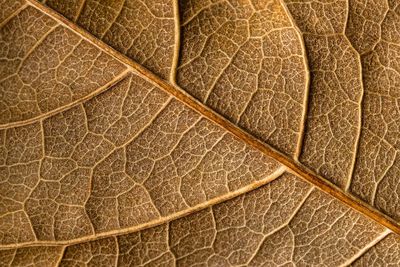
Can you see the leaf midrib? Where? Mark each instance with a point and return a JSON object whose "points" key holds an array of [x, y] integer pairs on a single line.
{"points": [[292, 165]]}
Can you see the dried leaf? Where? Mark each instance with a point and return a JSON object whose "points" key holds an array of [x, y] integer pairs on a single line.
{"points": [[162, 133]]}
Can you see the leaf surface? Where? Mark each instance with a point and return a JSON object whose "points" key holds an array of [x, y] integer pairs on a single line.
{"points": [[188, 142], [286, 221]]}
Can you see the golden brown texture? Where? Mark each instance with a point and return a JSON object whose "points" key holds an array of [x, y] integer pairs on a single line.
{"points": [[94, 145], [265, 226], [128, 156], [46, 67], [385, 253], [142, 30]]}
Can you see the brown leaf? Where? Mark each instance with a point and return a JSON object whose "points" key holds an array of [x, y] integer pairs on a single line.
{"points": [[167, 133]]}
